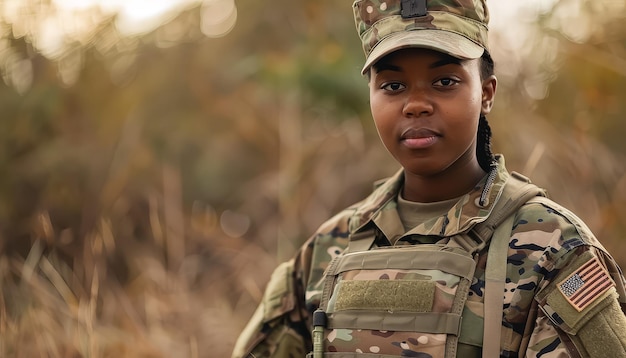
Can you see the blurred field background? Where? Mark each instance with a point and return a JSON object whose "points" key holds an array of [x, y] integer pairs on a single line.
{"points": [[158, 159]]}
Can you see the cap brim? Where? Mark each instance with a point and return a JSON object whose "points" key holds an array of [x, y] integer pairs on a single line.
{"points": [[447, 42]]}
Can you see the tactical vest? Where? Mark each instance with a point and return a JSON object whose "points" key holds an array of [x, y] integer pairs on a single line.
{"points": [[410, 301]]}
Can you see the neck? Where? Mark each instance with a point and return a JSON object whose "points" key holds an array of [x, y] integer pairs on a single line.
{"points": [[453, 182]]}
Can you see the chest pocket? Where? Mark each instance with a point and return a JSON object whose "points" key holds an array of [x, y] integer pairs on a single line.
{"points": [[396, 302]]}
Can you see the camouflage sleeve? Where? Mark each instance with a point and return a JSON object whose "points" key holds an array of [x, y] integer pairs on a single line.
{"points": [[581, 308], [279, 326]]}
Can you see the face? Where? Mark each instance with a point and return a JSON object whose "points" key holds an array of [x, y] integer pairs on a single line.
{"points": [[426, 106]]}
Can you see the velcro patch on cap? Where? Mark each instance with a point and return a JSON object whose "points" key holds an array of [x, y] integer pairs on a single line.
{"points": [[413, 8], [586, 284]]}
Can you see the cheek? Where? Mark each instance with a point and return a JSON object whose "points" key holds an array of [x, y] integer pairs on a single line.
{"points": [[381, 110], [383, 119], [468, 106], [373, 100], [376, 107], [478, 94]]}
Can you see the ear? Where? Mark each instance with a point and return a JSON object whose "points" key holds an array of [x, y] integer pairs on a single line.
{"points": [[489, 85]]}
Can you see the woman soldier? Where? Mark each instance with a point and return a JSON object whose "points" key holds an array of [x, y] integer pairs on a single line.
{"points": [[453, 256]]}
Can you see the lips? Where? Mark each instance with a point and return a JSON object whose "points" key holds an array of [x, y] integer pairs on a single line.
{"points": [[417, 133], [419, 138]]}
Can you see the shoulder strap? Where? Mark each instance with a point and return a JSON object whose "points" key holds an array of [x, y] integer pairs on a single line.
{"points": [[495, 277], [517, 191]]}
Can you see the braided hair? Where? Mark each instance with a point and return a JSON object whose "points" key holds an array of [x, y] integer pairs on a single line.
{"points": [[486, 159]]}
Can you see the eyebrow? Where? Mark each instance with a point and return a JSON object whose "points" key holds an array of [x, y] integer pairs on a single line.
{"points": [[448, 60], [385, 66]]}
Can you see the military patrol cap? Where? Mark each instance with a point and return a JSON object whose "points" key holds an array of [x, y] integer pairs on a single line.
{"points": [[455, 27]]}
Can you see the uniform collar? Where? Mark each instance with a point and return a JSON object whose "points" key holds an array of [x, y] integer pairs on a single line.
{"points": [[379, 210]]}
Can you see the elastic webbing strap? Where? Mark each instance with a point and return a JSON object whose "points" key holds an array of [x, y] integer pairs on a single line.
{"points": [[457, 308], [408, 259], [428, 322], [329, 281], [495, 276]]}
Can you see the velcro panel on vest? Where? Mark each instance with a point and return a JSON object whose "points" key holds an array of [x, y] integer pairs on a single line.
{"points": [[390, 295]]}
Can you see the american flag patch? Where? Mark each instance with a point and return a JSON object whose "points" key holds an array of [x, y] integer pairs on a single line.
{"points": [[587, 283]]}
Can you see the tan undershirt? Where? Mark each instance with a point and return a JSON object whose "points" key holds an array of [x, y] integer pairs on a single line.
{"points": [[413, 213]]}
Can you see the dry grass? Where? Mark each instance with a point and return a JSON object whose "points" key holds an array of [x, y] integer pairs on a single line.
{"points": [[123, 296]]}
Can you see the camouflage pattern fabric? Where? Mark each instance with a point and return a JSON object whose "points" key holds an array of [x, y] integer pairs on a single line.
{"points": [[376, 19], [547, 245], [456, 27]]}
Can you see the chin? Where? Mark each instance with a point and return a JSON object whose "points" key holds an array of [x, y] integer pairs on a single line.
{"points": [[424, 170]]}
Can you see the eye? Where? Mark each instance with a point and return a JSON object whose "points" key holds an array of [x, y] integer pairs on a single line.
{"points": [[393, 86], [445, 82]]}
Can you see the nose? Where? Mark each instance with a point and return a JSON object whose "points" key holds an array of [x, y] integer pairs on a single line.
{"points": [[417, 104]]}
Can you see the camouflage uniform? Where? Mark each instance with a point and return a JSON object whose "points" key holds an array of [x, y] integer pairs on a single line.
{"points": [[547, 245]]}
